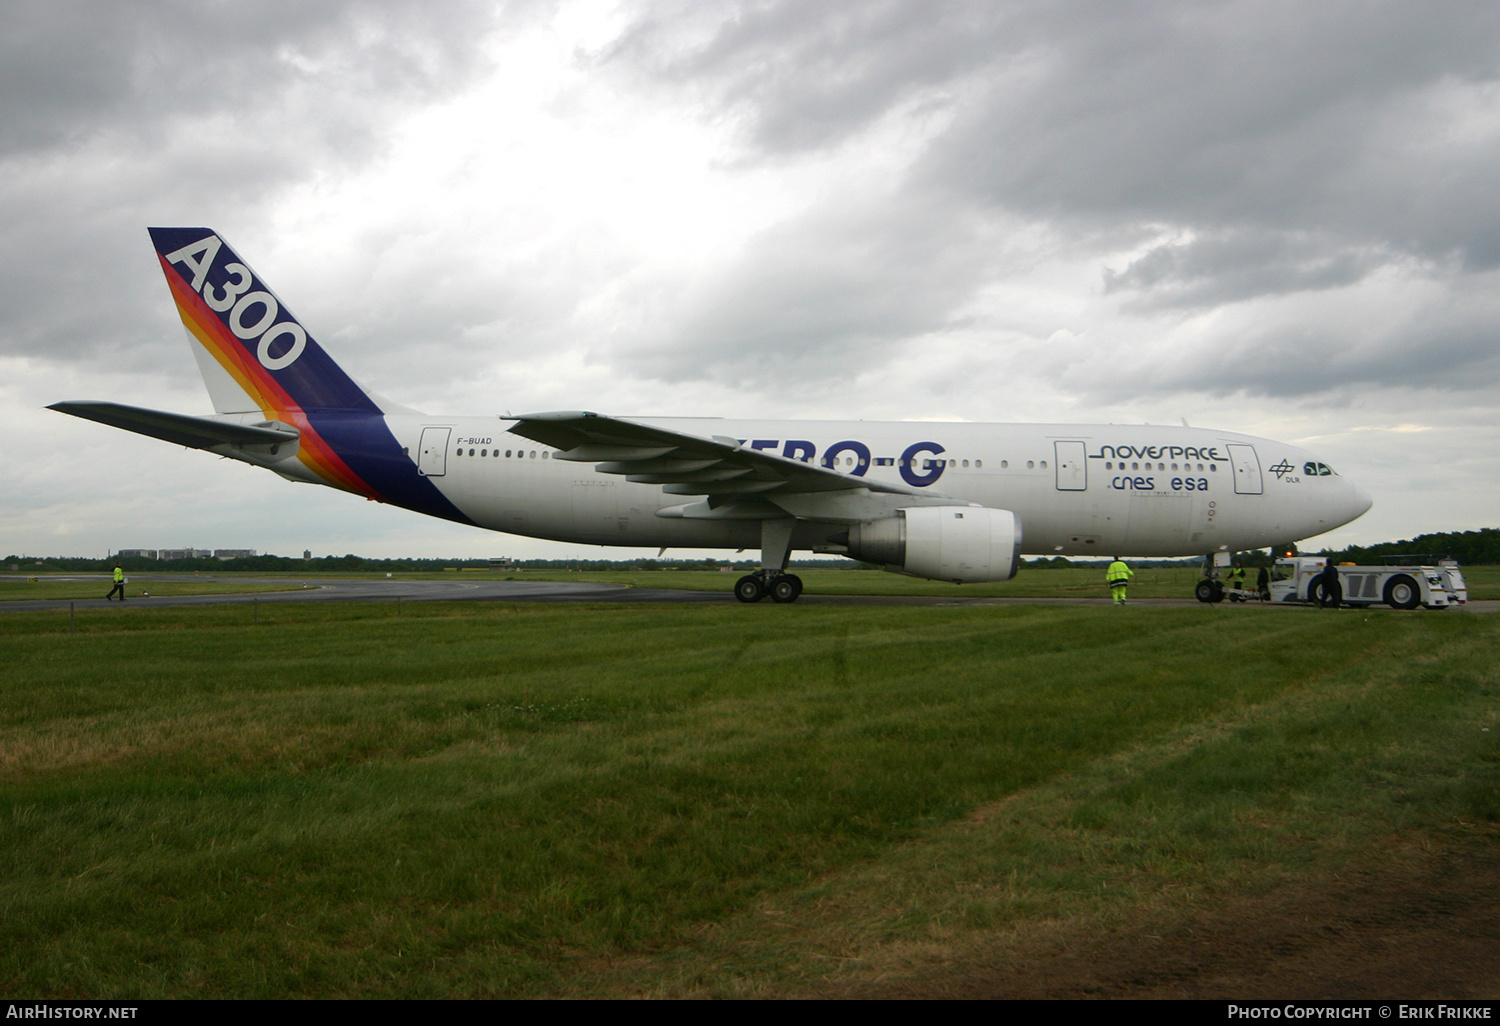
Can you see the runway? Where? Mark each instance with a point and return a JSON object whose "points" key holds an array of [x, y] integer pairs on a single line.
{"points": [[458, 590]]}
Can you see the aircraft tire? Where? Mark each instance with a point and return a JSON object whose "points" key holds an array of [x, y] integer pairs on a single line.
{"points": [[1204, 592], [786, 588], [749, 589], [1401, 592]]}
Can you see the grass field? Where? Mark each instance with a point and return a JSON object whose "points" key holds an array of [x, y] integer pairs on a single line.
{"points": [[477, 800]]}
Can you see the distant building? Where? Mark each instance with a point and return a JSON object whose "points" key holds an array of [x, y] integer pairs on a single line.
{"points": [[234, 553], [307, 553], [136, 554], [167, 554]]}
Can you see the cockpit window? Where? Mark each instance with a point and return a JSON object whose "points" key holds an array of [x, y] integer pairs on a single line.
{"points": [[1324, 470], [1317, 470]]}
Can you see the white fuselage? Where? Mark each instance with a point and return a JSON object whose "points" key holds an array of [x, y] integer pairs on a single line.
{"points": [[1076, 489]]}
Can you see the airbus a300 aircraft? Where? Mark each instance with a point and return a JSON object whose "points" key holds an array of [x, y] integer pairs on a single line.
{"points": [[951, 502]]}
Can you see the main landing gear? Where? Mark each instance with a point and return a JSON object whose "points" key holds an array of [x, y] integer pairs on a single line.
{"points": [[782, 587], [771, 579]]}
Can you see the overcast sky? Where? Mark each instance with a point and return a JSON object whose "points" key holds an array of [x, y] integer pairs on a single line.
{"points": [[1276, 218]]}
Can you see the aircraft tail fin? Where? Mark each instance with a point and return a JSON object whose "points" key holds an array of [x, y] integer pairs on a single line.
{"points": [[253, 353]]}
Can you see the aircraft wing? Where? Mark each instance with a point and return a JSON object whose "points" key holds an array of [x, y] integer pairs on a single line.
{"points": [[193, 432], [738, 482]]}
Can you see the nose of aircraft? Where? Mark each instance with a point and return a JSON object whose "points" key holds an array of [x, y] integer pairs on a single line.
{"points": [[1353, 503], [1360, 501], [1337, 504]]}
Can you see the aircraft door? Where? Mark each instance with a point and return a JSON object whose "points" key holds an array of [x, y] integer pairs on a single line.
{"points": [[433, 458], [1247, 479], [1072, 466]]}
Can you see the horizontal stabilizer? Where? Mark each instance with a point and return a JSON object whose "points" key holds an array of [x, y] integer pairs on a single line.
{"points": [[193, 432]]}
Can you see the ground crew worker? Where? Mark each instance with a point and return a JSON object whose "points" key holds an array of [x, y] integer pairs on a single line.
{"points": [[1263, 584], [1118, 576], [119, 584], [1236, 575], [1332, 592]]}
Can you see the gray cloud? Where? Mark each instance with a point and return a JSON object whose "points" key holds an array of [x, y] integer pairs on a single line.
{"points": [[1228, 266], [70, 71], [820, 298], [115, 116], [1274, 148], [805, 76], [1447, 340]]}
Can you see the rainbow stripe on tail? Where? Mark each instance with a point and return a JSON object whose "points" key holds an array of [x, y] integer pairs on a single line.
{"points": [[257, 357]]}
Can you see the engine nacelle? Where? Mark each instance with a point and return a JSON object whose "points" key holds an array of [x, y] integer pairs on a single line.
{"points": [[963, 544]]}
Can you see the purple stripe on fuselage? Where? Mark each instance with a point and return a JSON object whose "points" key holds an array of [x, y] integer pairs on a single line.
{"points": [[366, 444]]}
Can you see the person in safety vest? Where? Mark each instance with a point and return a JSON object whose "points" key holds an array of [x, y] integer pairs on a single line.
{"points": [[1118, 576], [1236, 575], [119, 584]]}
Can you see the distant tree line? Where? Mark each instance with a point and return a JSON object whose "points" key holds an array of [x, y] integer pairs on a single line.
{"points": [[1470, 548]]}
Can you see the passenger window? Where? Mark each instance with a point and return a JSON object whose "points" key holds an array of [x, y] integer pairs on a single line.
{"points": [[533, 454], [978, 463], [966, 463], [1044, 464], [544, 455], [1005, 464], [484, 452]]}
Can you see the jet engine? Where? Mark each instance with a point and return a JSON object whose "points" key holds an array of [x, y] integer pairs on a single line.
{"points": [[962, 544]]}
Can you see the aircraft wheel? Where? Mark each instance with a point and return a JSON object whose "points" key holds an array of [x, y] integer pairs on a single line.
{"points": [[749, 589], [1402, 593], [1204, 592], [786, 588]]}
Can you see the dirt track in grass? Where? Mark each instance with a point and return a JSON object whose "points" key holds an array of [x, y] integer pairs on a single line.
{"points": [[1413, 923]]}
